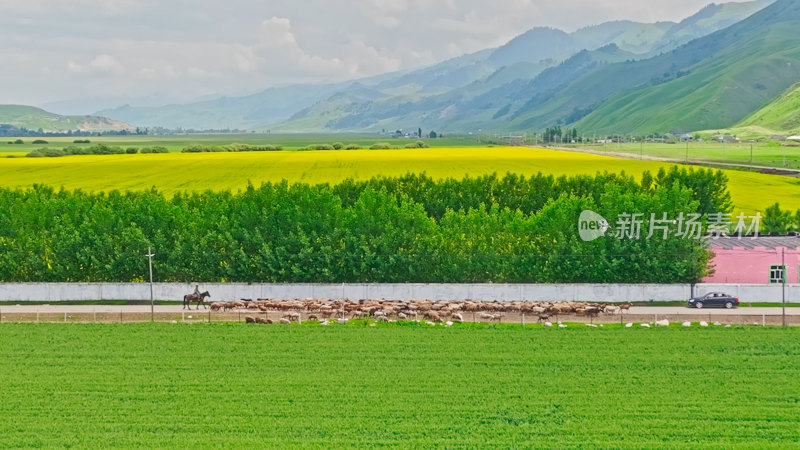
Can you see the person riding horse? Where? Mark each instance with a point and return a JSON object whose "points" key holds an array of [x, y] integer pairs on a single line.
{"points": [[196, 296]]}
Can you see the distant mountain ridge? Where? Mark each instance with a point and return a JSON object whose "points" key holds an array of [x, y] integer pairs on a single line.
{"points": [[542, 77], [32, 118]]}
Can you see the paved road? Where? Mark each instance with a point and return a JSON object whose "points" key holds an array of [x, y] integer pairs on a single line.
{"points": [[101, 309]]}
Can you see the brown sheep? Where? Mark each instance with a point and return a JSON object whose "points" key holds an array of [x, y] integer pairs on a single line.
{"points": [[292, 317], [433, 316], [250, 319]]}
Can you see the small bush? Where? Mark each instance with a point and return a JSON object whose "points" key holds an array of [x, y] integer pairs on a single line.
{"points": [[353, 147], [418, 144], [40, 141], [81, 141], [47, 152], [155, 149], [75, 150], [319, 147], [338, 146], [252, 148], [131, 150], [380, 146], [201, 149], [103, 149], [19, 141]]}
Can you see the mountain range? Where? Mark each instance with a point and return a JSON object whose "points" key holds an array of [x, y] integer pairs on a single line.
{"points": [[714, 69], [34, 119]]}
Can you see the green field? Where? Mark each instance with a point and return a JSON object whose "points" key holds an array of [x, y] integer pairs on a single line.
{"points": [[766, 154], [180, 171], [237, 385], [178, 142]]}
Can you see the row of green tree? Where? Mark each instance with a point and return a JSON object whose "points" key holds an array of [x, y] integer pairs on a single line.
{"points": [[96, 149], [408, 229]]}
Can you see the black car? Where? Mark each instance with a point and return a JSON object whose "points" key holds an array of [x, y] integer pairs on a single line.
{"points": [[718, 299]]}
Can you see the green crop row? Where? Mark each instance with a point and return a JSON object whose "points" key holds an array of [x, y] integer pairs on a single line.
{"points": [[234, 385]]}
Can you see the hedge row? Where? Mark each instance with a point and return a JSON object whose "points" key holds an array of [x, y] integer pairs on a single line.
{"points": [[408, 229], [96, 149]]}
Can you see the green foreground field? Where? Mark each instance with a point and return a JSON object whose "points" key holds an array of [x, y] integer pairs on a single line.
{"points": [[174, 172], [237, 385]]}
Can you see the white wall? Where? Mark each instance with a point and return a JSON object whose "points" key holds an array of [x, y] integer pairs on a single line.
{"points": [[54, 292]]}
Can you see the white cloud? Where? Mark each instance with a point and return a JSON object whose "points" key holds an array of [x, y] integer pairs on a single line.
{"points": [[101, 65]]}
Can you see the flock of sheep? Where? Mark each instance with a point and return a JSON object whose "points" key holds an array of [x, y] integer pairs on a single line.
{"points": [[433, 311]]}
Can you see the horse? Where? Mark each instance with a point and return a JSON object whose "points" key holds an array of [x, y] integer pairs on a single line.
{"points": [[197, 298]]}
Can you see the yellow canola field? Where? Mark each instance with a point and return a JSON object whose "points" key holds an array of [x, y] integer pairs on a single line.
{"points": [[174, 172]]}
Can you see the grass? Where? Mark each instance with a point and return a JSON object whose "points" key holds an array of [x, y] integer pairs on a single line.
{"points": [[780, 116], [178, 142], [178, 172], [766, 154], [234, 385]]}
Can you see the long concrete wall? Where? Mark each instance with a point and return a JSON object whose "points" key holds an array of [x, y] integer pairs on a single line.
{"points": [[55, 292]]}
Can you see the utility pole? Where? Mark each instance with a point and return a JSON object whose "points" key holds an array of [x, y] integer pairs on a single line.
{"points": [[784, 156], [150, 255], [783, 287]]}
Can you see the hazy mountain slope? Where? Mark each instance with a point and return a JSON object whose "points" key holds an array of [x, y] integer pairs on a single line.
{"points": [[629, 36], [470, 107], [269, 106], [712, 82], [34, 118], [712, 18], [535, 45]]}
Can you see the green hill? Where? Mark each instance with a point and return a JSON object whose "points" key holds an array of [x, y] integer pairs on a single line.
{"points": [[712, 82], [33, 118], [779, 117]]}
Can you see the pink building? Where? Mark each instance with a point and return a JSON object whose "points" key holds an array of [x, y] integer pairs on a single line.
{"points": [[760, 260]]}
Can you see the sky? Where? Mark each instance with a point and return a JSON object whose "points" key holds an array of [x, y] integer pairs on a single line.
{"points": [[110, 52]]}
